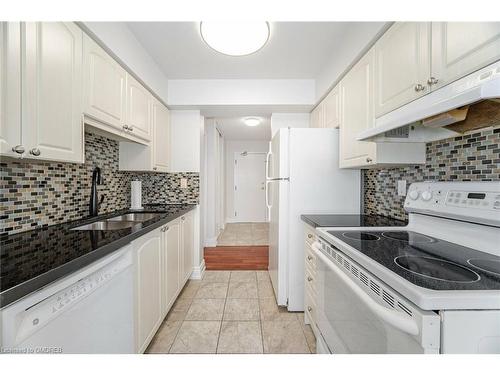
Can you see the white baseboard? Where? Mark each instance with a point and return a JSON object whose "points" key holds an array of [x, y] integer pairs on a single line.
{"points": [[211, 242], [198, 271]]}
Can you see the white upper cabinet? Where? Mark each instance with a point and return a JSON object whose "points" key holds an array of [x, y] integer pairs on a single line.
{"points": [[161, 139], [52, 127], [138, 109], [105, 86], [318, 116], [402, 65], [356, 91], [460, 48], [332, 108], [10, 89], [155, 156]]}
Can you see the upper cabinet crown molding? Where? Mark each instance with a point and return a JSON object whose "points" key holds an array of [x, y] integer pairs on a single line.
{"points": [[460, 48], [402, 65]]}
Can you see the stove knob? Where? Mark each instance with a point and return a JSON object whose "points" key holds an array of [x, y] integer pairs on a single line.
{"points": [[413, 194], [426, 195]]}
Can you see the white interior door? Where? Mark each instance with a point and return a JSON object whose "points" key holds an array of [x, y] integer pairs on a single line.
{"points": [[250, 188]]}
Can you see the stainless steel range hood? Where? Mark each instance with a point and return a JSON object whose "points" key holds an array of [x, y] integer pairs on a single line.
{"points": [[406, 124]]}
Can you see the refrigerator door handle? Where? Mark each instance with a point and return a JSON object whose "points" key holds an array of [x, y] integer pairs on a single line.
{"points": [[268, 205], [268, 160]]}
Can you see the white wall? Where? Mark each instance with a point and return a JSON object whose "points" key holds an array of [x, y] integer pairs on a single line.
{"points": [[123, 43], [241, 92], [231, 148], [288, 120], [354, 45], [186, 141]]}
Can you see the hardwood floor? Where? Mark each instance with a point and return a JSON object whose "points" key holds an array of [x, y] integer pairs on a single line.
{"points": [[236, 257]]}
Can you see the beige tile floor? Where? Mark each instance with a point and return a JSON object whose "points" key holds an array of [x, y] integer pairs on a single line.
{"points": [[232, 312], [244, 234]]}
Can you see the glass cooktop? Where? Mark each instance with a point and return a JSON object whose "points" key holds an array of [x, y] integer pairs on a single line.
{"points": [[426, 261]]}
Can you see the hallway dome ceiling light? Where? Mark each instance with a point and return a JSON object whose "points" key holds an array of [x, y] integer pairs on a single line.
{"points": [[251, 121], [235, 38]]}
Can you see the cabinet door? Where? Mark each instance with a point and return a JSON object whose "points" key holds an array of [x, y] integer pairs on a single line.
{"points": [[149, 292], [52, 125], [356, 90], [10, 87], [460, 48], [161, 138], [172, 262], [138, 109], [104, 81], [402, 63], [187, 245], [332, 109], [317, 116]]}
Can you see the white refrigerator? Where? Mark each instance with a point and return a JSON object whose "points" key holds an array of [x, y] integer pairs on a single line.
{"points": [[302, 177]]}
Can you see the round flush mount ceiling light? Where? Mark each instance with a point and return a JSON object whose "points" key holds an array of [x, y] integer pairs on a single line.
{"points": [[235, 38], [251, 121]]}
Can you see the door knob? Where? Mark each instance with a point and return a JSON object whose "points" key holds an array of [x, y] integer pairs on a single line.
{"points": [[131, 128], [35, 151], [369, 160], [19, 149], [309, 278], [309, 257], [125, 127], [309, 308]]}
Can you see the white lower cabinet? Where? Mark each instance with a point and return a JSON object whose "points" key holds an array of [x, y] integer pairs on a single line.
{"points": [[171, 263], [164, 262], [149, 276], [310, 278]]}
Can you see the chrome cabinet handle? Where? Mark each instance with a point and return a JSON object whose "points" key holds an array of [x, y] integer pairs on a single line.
{"points": [[432, 81], [309, 278], [130, 128], [35, 151], [419, 87], [309, 308], [19, 149], [369, 160], [309, 257], [155, 168], [125, 127], [309, 236], [183, 218]]}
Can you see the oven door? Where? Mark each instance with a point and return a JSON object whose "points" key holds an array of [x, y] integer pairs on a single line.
{"points": [[353, 317]]}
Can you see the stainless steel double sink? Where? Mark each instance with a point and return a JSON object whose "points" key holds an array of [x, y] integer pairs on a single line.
{"points": [[119, 222]]}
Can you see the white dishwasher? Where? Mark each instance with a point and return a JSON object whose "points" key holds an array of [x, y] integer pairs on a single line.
{"points": [[90, 311]]}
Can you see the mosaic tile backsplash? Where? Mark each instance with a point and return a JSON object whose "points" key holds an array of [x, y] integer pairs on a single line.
{"points": [[34, 194], [471, 157]]}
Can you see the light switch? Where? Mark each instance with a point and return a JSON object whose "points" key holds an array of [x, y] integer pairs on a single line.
{"points": [[184, 183], [402, 188]]}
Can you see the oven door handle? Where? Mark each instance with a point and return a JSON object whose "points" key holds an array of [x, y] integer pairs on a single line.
{"points": [[396, 319]]}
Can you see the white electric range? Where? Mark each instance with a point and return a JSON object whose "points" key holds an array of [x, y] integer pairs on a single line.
{"points": [[430, 287]]}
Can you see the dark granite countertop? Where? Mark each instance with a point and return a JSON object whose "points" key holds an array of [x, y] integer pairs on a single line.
{"points": [[31, 260], [325, 220]]}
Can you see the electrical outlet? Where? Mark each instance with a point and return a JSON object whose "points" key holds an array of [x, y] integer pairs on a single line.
{"points": [[184, 183], [402, 188]]}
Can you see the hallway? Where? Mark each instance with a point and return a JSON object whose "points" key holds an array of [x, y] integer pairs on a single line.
{"points": [[244, 234]]}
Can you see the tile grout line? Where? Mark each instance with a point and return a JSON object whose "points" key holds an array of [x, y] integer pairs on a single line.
{"points": [[222, 318]]}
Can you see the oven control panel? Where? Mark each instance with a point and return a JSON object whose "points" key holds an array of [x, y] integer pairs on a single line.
{"points": [[472, 201]]}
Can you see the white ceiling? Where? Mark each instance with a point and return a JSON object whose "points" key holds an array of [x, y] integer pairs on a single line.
{"points": [[295, 50], [234, 129]]}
